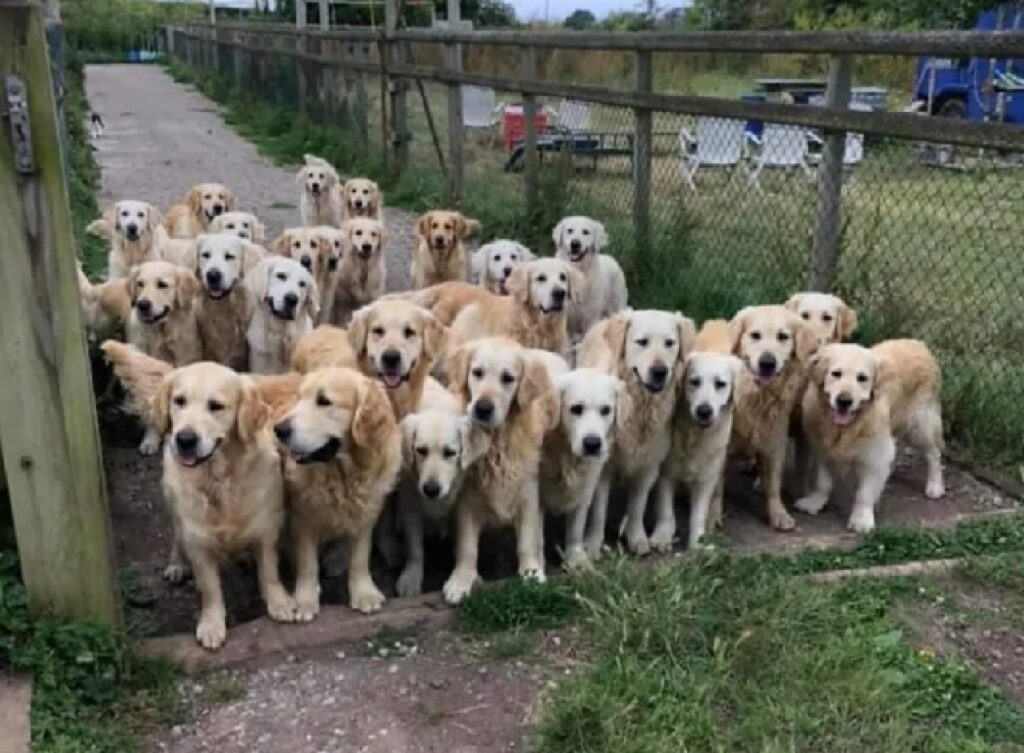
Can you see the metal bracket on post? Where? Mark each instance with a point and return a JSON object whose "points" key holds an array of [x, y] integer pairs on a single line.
{"points": [[16, 113]]}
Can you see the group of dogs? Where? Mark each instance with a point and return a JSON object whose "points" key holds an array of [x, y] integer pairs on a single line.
{"points": [[290, 392]]}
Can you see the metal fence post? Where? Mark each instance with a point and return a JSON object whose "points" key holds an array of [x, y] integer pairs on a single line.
{"points": [[456, 158], [396, 88], [828, 225], [530, 161], [642, 153]]}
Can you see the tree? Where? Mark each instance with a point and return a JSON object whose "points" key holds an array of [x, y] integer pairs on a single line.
{"points": [[580, 19]]}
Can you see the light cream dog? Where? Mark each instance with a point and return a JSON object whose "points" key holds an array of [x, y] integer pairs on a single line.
{"points": [[314, 248], [243, 224], [202, 204], [440, 251], [511, 397], [828, 315], [857, 400], [285, 305], [533, 313], [646, 351], [135, 232], [774, 345], [325, 346], [580, 241], [493, 263], [361, 197], [362, 271], [345, 456], [700, 445], [575, 452], [319, 203]]}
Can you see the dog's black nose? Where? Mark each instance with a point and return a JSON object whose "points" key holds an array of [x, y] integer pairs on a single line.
{"points": [[291, 300], [558, 295], [332, 263], [431, 489], [592, 444], [218, 209], [367, 248], [658, 373], [391, 359], [144, 305], [703, 412], [315, 187], [766, 364], [283, 431], [844, 402], [214, 278], [357, 203], [507, 271], [483, 409], [186, 441], [306, 262], [132, 231], [575, 245]]}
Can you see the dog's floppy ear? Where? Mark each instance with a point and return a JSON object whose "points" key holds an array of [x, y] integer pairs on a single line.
{"points": [[604, 344], [252, 255], [259, 230], [478, 263], [373, 415], [846, 322], [885, 373], [623, 405], [280, 245], [577, 284], [187, 287], [300, 176], [466, 226], [807, 342], [194, 199], [524, 252], [687, 334], [435, 336], [409, 425], [423, 224], [556, 233], [190, 259], [131, 282], [738, 326], [518, 284], [358, 329], [793, 304], [153, 217], [456, 367], [818, 365], [475, 442], [600, 236], [259, 281], [160, 405], [229, 200], [313, 299], [535, 387], [253, 413]]}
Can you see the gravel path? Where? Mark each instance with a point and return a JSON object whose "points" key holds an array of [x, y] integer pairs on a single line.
{"points": [[163, 137]]}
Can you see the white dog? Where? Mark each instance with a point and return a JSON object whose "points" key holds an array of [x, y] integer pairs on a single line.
{"points": [[493, 263], [318, 203], [285, 305], [580, 240], [243, 224]]}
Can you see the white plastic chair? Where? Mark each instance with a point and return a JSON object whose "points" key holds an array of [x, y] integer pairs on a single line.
{"points": [[854, 151], [782, 147], [574, 115], [717, 143]]}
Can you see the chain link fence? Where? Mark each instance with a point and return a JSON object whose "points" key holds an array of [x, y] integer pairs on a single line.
{"points": [[929, 235]]}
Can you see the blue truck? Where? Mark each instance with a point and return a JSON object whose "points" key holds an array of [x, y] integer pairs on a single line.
{"points": [[976, 89]]}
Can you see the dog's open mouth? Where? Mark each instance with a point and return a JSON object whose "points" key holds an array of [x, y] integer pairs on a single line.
{"points": [[322, 454], [440, 244], [577, 255], [842, 416], [194, 461], [218, 292], [288, 315], [393, 379], [153, 318], [502, 287], [651, 387]]}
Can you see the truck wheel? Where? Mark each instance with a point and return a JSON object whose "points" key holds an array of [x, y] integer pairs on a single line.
{"points": [[952, 108]]}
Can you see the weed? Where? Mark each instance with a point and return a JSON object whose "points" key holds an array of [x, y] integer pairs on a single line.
{"points": [[509, 645], [518, 604]]}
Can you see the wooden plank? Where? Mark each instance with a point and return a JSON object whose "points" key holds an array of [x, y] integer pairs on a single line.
{"points": [[50, 442], [456, 132], [531, 163], [828, 224], [324, 7], [899, 125], [642, 156], [15, 713], [396, 87]]}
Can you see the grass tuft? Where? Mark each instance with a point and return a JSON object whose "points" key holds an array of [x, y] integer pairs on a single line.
{"points": [[517, 604]]}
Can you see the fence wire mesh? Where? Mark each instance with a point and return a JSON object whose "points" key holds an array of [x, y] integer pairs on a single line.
{"points": [[929, 235]]}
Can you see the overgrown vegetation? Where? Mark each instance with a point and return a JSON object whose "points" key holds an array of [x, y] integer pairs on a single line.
{"points": [[84, 173], [105, 30]]}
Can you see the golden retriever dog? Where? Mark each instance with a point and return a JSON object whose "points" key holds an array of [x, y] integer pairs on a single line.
{"points": [[580, 240], [440, 252], [700, 446], [313, 248], [828, 315], [332, 251], [325, 346], [202, 204], [362, 271], [135, 234], [319, 202], [493, 263], [243, 224], [361, 197], [510, 396], [646, 351], [222, 480], [397, 343], [445, 300], [575, 452], [345, 454], [439, 442], [285, 303], [222, 263], [774, 345], [857, 401], [533, 313]]}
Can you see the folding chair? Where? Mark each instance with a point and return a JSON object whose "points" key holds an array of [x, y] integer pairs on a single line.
{"points": [[480, 111], [574, 115], [782, 147], [854, 151], [718, 143]]}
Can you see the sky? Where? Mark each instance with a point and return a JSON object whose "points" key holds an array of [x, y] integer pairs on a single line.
{"points": [[558, 9]]}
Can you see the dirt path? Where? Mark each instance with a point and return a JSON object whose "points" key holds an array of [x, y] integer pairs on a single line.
{"points": [[162, 137]]}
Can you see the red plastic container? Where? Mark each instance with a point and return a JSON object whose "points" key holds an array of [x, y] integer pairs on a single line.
{"points": [[513, 124]]}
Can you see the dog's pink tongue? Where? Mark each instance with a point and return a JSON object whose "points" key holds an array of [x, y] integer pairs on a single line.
{"points": [[391, 380], [842, 419], [763, 381], [188, 462]]}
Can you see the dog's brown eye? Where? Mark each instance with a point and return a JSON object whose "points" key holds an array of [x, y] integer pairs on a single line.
{"points": [[755, 336], [207, 197], [586, 232], [448, 453], [862, 378], [783, 337], [422, 451], [695, 382], [215, 406], [409, 333], [827, 317], [606, 410], [377, 332], [478, 373], [670, 343], [570, 231], [720, 384], [542, 278], [231, 227], [322, 401], [206, 254], [837, 373], [180, 401], [229, 257], [161, 285], [576, 410], [312, 244], [561, 278], [806, 316], [359, 232], [302, 283], [643, 342], [282, 276], [507, 378], [297, 244], [140, 215]]}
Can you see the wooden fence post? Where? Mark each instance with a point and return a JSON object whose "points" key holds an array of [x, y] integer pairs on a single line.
{"points": [[50, 443], [396, 88], [456, 157], [828, 225], [528, 72], [642, 152]]}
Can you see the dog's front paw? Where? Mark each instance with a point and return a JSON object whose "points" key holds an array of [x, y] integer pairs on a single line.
{"points": [[594, 547], [212, 631], [307, 603], [150, 444], [176, 573], [637, 542], [812, 504], [410, 582], [661, 539], [459, 586], [576, 559], [280, 606], [533, 572], [781, 520], [365, 597], [935, 489], [862, 520]]}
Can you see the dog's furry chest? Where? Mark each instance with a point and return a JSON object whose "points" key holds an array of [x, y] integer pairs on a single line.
{"points": [[222, 330], [563, 474], [498, 478], [699, 451], [274, 340], [440, 266], [173, 340], [761, 413], [642, 436]]}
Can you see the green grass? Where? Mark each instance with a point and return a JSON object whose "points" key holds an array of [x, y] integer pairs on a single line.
{"points": [[84, 172]]}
